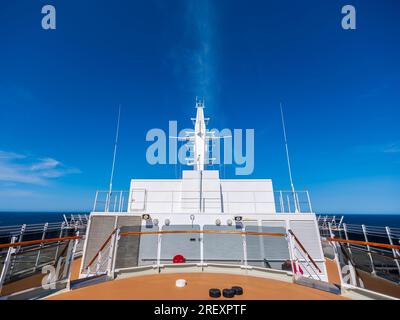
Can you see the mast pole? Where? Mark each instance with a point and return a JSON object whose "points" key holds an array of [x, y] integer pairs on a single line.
{"points": [[113, 162], [288, 158]]}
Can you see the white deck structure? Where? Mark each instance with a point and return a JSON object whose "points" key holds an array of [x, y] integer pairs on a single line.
{"points": [[202, 201]]}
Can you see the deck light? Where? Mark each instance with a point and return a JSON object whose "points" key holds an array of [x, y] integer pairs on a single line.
{"points": [[167, 222], [218, 222]]}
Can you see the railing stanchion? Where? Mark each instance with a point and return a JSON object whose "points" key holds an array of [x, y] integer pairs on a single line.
{"points": [[70, 259], [244, 249], [113, 253], [46, 225], [58, 243], [346, 236], [297, 203], [6, 264], [336, 255], [281, 202], [201, 235], [364, 229], [288, 201], [395, 253], [20, 238], [95, 201], [120, 201], [159, 252], [309, 202], [98, 262]]}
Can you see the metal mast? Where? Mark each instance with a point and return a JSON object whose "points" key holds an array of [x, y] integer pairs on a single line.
{"points": [[288, 160], [113, 162]]}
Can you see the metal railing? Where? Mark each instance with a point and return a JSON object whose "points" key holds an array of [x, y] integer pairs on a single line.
{"points": [[21, 256], [225, 201], [297, 259], [354, 257], [380, 260], [26, 249]]}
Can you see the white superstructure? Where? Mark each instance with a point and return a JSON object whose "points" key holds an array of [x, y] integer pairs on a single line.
{"points": [[201, 201]]}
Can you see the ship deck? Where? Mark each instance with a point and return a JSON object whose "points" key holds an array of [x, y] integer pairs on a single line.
{"points": [[162, 287]]}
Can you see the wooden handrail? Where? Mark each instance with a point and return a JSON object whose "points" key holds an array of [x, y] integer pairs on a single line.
{"points": [[250, 233], [365, 243], [101, 249], [304, 250], [131, 233], [31, 242]]}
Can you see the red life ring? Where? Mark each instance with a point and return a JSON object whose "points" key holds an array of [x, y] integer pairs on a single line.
{"points": [[179, 259]]}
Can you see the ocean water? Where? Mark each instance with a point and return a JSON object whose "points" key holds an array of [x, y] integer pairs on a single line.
{"points": [[384, 220], [18, 218]]}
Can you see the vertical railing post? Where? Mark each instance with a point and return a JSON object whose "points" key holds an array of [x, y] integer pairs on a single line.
{"points": [[46, 225], [295, 266], [6, 264], [70, 261], [115, 249], [324, 222], [346, 236], [95, 201], [159, 251], [336, 255], [288, 201], [281, 202], [120, 201], [98, 262], [364, 229], [20, 238], [22, 232], [108, 201], [340, 222], [201, 247], [58, 243], [395, 253], [110, 262], [244, 248], [309, 202], [297, 203], [331, 234]]}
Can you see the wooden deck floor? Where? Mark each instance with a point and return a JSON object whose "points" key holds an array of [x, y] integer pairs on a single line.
{"points": [[162, 287]]}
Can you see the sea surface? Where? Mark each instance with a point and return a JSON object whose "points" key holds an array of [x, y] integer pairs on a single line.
{"points": [[18, 218]]}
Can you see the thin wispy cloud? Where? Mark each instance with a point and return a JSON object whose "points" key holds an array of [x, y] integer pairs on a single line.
{"points": [[391, 147], [194, 58], [16, 168]]}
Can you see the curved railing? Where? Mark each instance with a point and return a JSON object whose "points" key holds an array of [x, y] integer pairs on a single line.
{"points": [[368, 264], [22, 260], [299, 260], [365, 243]]}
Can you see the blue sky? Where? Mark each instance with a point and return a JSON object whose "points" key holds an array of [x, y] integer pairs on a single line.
{"points": [[60, 91]]}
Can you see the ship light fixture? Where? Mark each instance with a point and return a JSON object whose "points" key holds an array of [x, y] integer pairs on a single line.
{"points": [[167, 222], [229, 222], [155, 222], [218, 222]]}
